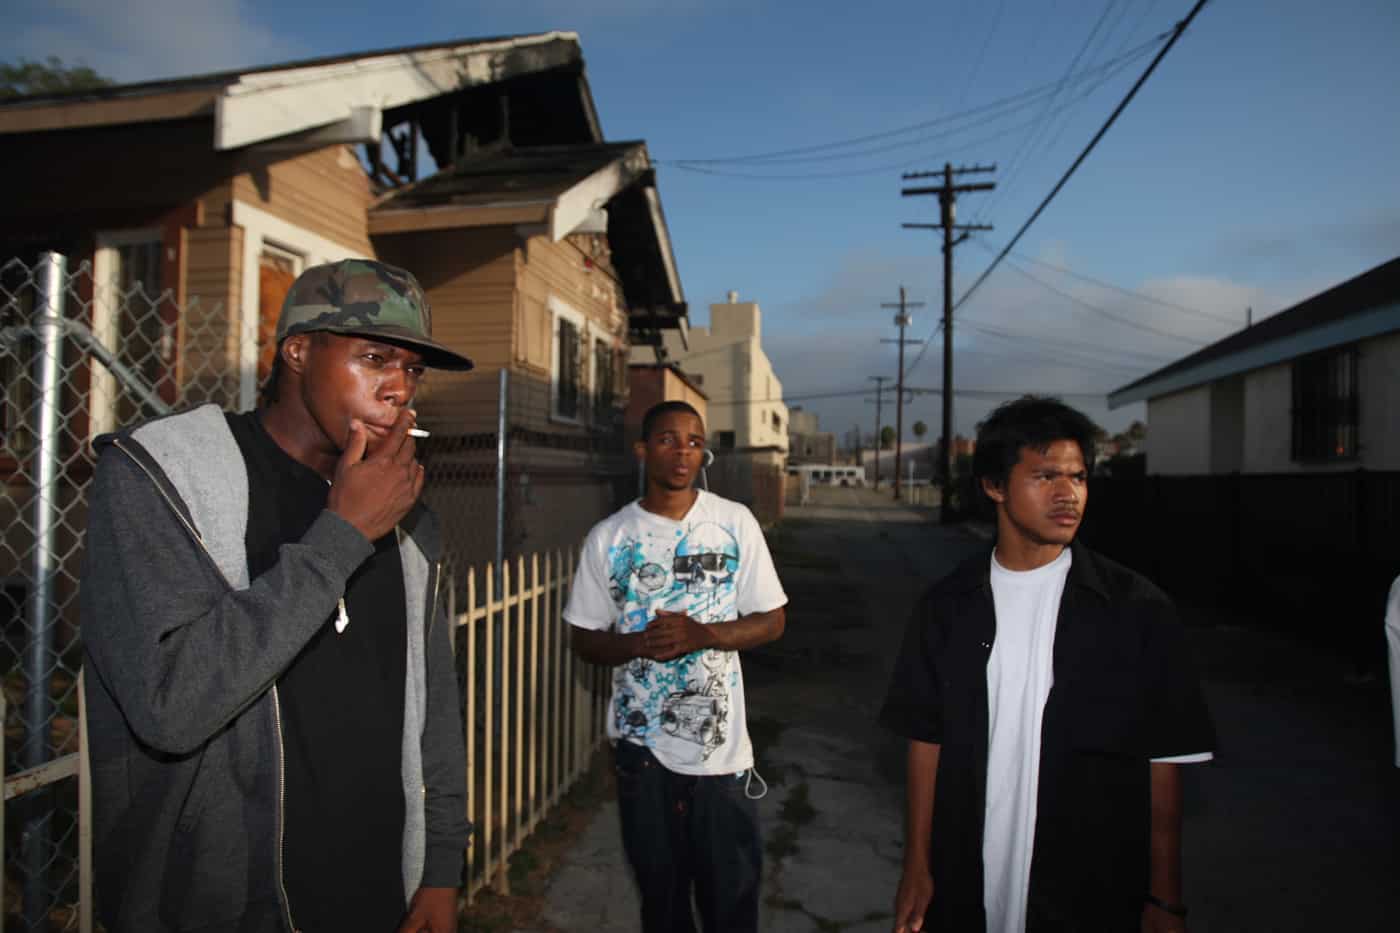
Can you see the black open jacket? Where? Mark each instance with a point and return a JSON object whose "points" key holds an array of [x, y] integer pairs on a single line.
{"points": [[1125, 691]]}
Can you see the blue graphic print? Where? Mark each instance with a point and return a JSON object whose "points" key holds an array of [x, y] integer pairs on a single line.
{"points": [[684, 703]]}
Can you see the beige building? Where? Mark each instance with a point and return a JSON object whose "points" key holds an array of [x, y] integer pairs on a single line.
{"points": [[726, 359], [807, 442], [1311, 389]]}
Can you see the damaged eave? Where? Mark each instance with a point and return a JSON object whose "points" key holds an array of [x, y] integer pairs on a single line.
{"points": [[267, 105], [579, 204]]}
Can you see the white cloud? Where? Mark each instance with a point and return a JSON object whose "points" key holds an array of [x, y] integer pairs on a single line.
{"points": [[143, 39], [829, 341]]}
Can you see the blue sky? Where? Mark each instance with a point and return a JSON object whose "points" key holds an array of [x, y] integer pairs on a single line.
{"points": [[1256, 166]]}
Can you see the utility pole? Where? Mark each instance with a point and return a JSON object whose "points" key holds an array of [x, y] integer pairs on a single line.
{"points": [[902, 320], [947, 202], [879, 396]]}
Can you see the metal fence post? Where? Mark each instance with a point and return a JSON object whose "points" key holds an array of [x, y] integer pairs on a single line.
{"points": [[38, 710], [3, 719], [501, 470]]}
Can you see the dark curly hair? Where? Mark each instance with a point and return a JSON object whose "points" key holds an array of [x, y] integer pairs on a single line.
{"points": [[1034, 421]]}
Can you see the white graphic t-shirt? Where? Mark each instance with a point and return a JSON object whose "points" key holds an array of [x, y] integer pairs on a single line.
{"points": [[712, 565]]}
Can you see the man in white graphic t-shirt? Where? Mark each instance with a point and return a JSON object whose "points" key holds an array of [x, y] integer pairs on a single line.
{"points": [[668, 591], [1049, 699]]}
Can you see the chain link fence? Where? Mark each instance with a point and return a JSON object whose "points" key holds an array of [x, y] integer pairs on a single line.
{"points": [[513, 468], [79, 356]]}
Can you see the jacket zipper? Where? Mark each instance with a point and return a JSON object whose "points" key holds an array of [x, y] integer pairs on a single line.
{"points": [[281, 807], [433, 603], [276, 705]]}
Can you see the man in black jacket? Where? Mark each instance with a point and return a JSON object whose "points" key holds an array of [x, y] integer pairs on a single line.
{"points": [[1048, 699]]}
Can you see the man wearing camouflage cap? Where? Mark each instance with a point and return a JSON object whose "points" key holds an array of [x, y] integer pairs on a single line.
{"points": [[276, 742]]}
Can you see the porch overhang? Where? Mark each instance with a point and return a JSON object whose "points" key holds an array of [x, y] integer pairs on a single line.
{"points": [[557, 191]]}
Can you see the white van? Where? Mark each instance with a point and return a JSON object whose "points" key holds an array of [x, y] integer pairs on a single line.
{"points": [[820, 474]]}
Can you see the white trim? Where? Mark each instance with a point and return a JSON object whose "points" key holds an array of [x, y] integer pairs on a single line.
{"points": [[668, 257], [1374, 323], [102, 385], [363, 125], [575, 207], [558, 308], [259, 228]]}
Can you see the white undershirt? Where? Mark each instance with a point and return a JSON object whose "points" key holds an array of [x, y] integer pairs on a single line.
{"points": [[1020, 672]]}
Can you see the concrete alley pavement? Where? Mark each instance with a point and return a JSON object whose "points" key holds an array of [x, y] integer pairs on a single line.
{"points": [[1295, 827]]}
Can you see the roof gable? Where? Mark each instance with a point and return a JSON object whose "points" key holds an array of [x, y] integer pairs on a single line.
{"points": [[348, 93], [1361, 307]]}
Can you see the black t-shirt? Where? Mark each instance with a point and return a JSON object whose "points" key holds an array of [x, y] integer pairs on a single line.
{"points": [[342, 705]]}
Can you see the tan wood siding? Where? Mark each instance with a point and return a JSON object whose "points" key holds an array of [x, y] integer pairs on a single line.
{"points": [[469, 277], [561, 270], [213, 289], [325, 192]]}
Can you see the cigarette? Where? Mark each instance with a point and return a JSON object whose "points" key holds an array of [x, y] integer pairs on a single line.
{"points": [[417, 432]]}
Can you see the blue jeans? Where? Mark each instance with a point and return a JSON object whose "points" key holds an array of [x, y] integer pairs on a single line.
{"points": [[680, 830]]}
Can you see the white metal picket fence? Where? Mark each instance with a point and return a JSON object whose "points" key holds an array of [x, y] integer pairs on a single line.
{"points": [[534, 713]]}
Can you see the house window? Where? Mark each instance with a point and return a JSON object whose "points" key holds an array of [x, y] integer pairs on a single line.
{"points": [[726, 440], [604, 381], [570, 362], [777, 423], [1325, 406], [18, 349], [133, 319]]}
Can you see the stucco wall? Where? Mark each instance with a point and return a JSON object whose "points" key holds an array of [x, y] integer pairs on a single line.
{"points": [[1269, 419], [744, 393], [1380, 403], [1178, 433], [1227, 425]]}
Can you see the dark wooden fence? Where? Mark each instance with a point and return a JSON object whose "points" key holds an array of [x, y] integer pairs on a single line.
{"points": [[1309, 552]]}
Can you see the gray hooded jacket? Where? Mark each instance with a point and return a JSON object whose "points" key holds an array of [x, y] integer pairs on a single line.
{"points": [[183, 655]]}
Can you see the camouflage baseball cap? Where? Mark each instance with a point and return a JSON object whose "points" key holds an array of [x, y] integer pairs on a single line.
{"points": [[364, 298]]}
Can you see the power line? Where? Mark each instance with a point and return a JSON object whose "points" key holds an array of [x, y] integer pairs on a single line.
{"points": [[1010, 104], [1014, 166], [1104, 313], [1068, 346], [1143, 296], [725, 172], [1176, 34], [1061, 358], [981, 54], [986, 394]]}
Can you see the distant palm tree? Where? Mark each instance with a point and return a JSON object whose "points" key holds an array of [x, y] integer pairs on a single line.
{"points": [[920, 429]]}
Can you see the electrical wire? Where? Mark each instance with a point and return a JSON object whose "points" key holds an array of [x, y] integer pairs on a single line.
{"points": [[1176, 34], [1011, 103], [1143, 358], [1142, 296], [723, 171], [915, 390], [1104, 313], [982, 52], [1013, 166]]}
